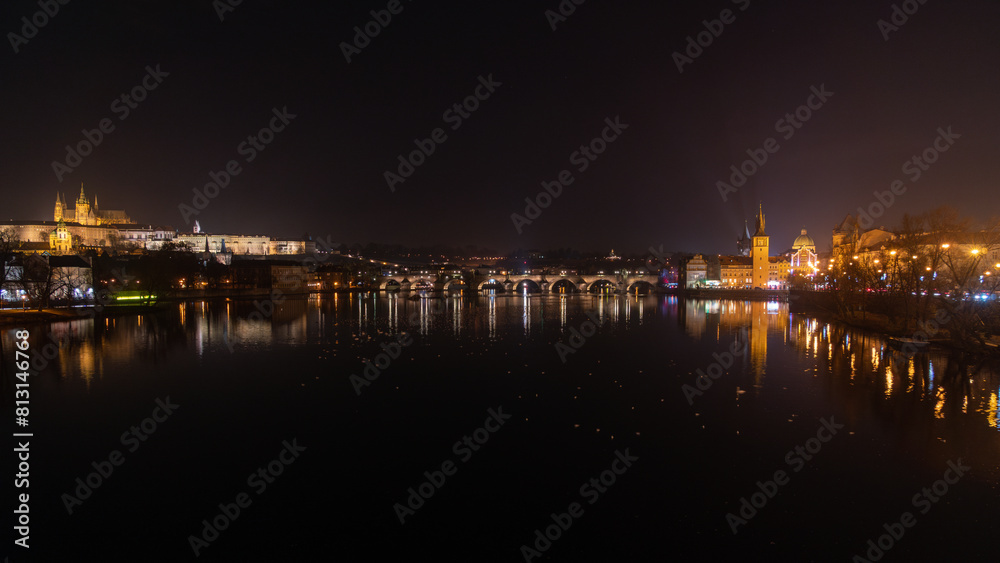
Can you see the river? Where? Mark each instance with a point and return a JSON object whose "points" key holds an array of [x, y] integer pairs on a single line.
{"points": [[235, 431]]}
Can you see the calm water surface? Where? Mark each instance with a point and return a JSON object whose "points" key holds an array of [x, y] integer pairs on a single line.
{"points": [[247, 380]]}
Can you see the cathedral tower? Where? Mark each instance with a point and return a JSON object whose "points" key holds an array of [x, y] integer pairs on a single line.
{"points": [[759, 253], [83, 209]]}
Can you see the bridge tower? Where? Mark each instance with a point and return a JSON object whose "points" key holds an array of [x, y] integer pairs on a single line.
{"points": [[759, 253]]}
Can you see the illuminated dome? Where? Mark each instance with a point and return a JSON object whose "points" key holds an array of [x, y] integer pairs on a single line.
{"points": [[804, 241]]}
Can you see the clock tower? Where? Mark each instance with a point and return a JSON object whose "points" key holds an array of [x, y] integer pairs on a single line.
{"points": [[759, 254]]}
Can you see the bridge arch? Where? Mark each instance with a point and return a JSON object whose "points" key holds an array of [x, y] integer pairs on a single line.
{"points": [[641, 287], [602, 285], [564, 286], [392, 284], [422, 284], [491, 283], [456, 284], [526, 286]]}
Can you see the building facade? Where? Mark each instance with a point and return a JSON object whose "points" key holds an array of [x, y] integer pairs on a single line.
{"points": [[695, 271], [804, 259]]}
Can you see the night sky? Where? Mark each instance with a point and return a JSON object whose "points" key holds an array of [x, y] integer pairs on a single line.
{"points": [[654, 185]]}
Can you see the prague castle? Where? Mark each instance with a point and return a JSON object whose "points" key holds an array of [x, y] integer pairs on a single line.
{"points": [[85, 214], [86, 225]]}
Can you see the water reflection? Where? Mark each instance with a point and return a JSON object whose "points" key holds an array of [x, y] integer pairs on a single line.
{"points": [[754, 319], [942, 383]]}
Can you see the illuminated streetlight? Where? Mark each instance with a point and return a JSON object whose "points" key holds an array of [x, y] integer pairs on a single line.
{"points": [[945, 246]]}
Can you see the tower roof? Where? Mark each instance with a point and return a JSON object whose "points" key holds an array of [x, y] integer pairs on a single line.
{"points": [[760, 222]]}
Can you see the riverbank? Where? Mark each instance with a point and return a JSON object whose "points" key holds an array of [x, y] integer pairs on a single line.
{"points": [[16, 317], [821, 305], [742, 294]]}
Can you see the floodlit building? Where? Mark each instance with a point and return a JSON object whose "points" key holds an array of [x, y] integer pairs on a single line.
{"points": [[804, 258], [759, 254], [86, 214], [695, 271]]}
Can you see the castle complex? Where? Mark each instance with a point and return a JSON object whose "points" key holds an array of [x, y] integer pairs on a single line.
{"points": [[85, 214], [86, 225]]}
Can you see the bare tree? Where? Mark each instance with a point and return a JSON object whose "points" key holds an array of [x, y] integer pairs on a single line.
{"points": [[9, 243], [39, 280]]}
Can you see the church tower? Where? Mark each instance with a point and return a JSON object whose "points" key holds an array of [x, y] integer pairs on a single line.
{"points": [[59, 209], [759, 253], [83, 208]]}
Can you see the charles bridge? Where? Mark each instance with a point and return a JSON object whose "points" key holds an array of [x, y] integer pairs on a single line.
{"points": [[509, 282]]}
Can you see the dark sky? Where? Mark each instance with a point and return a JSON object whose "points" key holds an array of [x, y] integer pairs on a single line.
{"points": [[654, 185]]}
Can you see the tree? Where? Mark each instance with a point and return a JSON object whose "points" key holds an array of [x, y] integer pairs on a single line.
{"points": [[9, 243], [157, 271], [39, 280]]}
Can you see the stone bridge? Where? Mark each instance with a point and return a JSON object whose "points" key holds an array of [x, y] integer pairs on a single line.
{"points": [[519, 283]]}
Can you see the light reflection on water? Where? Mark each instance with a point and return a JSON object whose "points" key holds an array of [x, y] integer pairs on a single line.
{"points": [[86, 348]]}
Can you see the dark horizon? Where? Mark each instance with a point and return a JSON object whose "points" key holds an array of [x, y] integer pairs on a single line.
{"points": [[551, 92]]}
